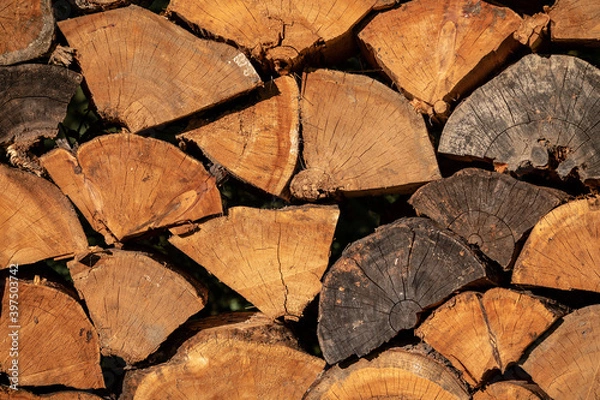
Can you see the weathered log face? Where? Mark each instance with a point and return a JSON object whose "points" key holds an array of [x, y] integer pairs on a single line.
{"points": [[157, 71], [540, 112], [360, 137], [383, 281], [118, 183], [488, 209]]}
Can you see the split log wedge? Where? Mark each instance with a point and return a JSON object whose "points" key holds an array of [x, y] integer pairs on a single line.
{"points": [[20, 394], [540, 112], [480, 332], [157, 71], [238, 356], [562, 251], [575, 22], [46, 334], [436, 51], [510, 390], [146, 302], [27, 30], [393, 374], [489, 209], [37, 220], [125, 184], [258, 144], [360, 137], [274, 258], [278, 33], [565, 364], [382, 282], [33, 101]]}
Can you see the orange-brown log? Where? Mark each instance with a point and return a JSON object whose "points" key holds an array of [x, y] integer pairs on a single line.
{"points": [[237, 356], [143, 70], [258, 144], [7, 393], [125, 184], [510, 390], [134, 301], [274, 258], [575, 22]]}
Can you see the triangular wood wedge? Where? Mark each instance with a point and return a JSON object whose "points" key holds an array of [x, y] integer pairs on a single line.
{"points": [[34, 101], [274, 258], [126, 184], [510, 390], [436, 51], [542, 112], [393, 374], [37, 220], [489, 209], [360, 137], [46, 337], [27, 30], [280, 33], [382, 282], [575, 22], [480, 332], [258, 144], [143, 70], [237, 356], [134, 301], [565, 364], [563, 250]]}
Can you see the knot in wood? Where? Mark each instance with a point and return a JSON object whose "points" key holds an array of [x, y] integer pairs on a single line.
{"points": [[403, 314], [311, 184]]}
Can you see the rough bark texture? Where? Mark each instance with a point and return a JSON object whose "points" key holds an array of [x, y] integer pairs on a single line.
{"points": [[480, 332], [360, 137], [393, 374], [575, 21], [562, 250], [157, 71], [55, 341], [510, 390], [37, 220], [25, 31], [258, 144], [33, 100], [488, 209], [382, 282], [436, 51], [248, 357], [540, 112], [118, 182], [274, 258], [565, 365], [134, 301]]}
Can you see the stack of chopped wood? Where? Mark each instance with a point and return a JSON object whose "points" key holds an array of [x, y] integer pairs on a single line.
{"points": [[484, 284]]}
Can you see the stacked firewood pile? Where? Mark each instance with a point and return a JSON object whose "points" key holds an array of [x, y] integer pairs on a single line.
{"points": [[470, 128]]}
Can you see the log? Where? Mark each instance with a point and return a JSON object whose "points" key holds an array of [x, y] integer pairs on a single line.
{"points": [[27, 30], [258, 144], [360, 137], [279, 34], [274, 258], [237, 356], [88, 6], [37, 220], [510, 390], [45, 333], [478, 332], [562, 250], [539, 113], [565, 364], [488, 209], [158, 71], [20, 394], [393, 374], [34, 101], [575, 22], [117, 182], [382, 282], [134, 301], [437, 51]]}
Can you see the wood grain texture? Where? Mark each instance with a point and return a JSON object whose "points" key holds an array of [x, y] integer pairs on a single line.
{"points": [[575, 21], [510, 390], [158, 71]]}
